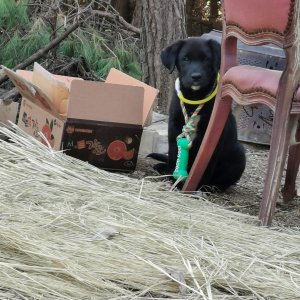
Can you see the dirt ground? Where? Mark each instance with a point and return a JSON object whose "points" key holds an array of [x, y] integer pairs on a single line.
{"points": [[246, 195]]}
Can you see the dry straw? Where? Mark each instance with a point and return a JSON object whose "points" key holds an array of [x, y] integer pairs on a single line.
{"points": [[71, 231]]}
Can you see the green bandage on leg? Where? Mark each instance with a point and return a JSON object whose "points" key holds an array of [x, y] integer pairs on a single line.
{"points": [[182, 159]]}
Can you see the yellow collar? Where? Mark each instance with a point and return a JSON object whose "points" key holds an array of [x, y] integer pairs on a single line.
{"points": [[196, 102]]}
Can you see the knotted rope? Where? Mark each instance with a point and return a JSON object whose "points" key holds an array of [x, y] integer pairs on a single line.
{"points": [[190, 127]]}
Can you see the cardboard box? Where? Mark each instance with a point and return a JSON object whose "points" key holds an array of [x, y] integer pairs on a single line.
{"points": [[103, 123], [8, 112]]}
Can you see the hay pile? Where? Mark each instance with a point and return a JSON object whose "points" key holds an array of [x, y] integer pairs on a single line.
{"points": [[71, 231]]}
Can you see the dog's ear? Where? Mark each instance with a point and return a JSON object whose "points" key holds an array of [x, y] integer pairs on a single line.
{"points": [[216, 50], [169, 55]]}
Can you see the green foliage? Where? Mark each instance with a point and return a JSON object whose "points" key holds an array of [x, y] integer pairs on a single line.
{"points": [[105, 64], [13, 14], [79, 45], [10, 52], [90, 46], [34, 41], [122, 60], [128, 62], [21, 37], [18, 48]]}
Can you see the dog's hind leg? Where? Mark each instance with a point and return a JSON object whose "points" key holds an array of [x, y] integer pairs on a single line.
{"points": [[229, 170], [158, 156], [161, 168]]}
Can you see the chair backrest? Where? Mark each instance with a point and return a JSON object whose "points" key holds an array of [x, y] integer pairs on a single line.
{"points": [[262, 21]]}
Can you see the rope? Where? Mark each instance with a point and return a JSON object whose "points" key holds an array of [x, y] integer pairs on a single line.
{"points": [[190, 127]]}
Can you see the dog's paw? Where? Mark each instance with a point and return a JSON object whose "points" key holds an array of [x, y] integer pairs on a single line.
{"points": [[161, 168]]}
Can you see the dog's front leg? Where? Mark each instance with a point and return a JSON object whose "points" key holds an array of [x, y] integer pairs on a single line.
{"points": [[173, 131]]}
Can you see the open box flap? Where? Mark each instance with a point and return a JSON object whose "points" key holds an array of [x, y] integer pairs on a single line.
{"points": [[106, 102], [30, 91], [118, 77], [66, 79]]}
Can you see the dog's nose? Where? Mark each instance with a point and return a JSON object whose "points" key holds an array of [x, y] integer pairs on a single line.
{"points": [[196, 76]]}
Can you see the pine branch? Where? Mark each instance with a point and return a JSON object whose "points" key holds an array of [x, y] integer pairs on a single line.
{"points": [[42, 52]]}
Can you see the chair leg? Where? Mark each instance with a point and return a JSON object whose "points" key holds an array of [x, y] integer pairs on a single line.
{"points": [[289, 189], [281, 132], [213, 132]]}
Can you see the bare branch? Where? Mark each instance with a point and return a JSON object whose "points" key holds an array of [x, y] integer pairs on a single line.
{"points": [[117, 18], [43, 51], [11, 95]]}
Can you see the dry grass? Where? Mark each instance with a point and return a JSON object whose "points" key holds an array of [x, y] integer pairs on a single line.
{"points": [[71, 231]]}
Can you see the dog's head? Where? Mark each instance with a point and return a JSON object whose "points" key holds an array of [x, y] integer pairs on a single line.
{"points": [[197, 60]]}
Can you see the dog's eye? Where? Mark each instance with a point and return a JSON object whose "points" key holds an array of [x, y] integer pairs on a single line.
{"points": [[185, 58]]}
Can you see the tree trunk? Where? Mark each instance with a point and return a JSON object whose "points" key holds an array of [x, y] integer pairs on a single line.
{"points": [[124, 8], [214, 13], [162, 23], [193, 16]]}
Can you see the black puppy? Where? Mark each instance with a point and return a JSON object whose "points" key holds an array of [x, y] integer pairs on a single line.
{"points": [[197, 61]]}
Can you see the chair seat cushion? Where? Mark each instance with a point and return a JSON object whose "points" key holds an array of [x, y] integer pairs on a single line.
{"points": [[249, 79]]}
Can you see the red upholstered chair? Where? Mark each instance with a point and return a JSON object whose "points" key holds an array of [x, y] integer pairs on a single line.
{"points": [[258, 22]]}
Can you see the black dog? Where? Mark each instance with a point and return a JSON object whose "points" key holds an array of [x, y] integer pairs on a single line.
{"points": [[197, 61]]}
